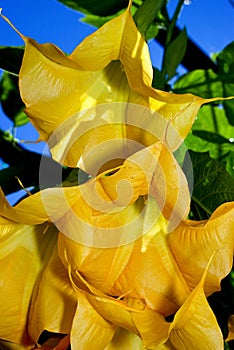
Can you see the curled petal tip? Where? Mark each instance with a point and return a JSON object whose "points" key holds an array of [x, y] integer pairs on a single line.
{"points": [[12, 26]]}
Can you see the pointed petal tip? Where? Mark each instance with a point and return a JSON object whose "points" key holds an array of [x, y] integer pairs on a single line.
{"points": [[12, 26]]}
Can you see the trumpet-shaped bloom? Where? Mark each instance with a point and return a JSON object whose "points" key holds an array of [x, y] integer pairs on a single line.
{"points": [[136, 283], [66, 93], [127, 256]]}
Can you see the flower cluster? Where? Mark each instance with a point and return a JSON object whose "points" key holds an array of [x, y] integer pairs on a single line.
{"points": [[114, 262]]}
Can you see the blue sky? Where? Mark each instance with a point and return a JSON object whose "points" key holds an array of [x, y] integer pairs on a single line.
{"points": [[209, 23]]}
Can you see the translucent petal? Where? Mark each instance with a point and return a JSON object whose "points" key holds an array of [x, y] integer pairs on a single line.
{"points": [[128, 46], [152, 171], [195, 326], [125, 340], [71, 84], [152, 327], [30, 211], [198, 241], [152, 274], [89, 327], [101, 267], [134, 316], [53, 302], [25, 250]]}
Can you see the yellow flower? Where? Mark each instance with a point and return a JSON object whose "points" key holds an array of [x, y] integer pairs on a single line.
{"points": [[111, 65], [34, 290], [150, 274], [127, 257]]}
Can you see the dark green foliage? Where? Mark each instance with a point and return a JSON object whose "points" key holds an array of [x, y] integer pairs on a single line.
{"points": [[145, 17], [212, 184], [10, 99], [100, 8], [174, 54], [11, 58]]}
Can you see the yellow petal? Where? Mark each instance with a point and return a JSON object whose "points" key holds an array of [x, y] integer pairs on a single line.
{"points": [[152, 274], [101, 267], [125, 340], [152, 327], [166, 346], [77, 214], [30, 211], [89, 327], [198, 241], [53, 302], [152, 171], [133, 315], [195, 326], [24, 252], [128, 46], [122, 73]]}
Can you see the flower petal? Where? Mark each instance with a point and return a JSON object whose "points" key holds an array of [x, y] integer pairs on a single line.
{"points": [[71, 84], [89, 327], [198, 241], [152, 274], [195, 326], [132, 315], [54, 301], [129, 46], [24, 252], [100, 266], [125, 340], [152, 327], [152, 171]]}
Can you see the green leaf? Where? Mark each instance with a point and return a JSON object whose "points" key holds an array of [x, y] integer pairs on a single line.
{"points": [[145, 16], [204, 83], [211, 136], [97, 21], [11, 58], [159, 81], [210, 130], [229, 104], [10, 99], [174, 53], [212, 184], [225, 59], [151, 32], [96, 7], [230, 163]]}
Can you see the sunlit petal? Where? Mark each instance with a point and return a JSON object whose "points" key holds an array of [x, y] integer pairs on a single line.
{"points": [[71, 84], [134, 316], [24, 252], [198, 241], [125, 340], [195, 326], [89, 327], [152, 274], [54, 301]]}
